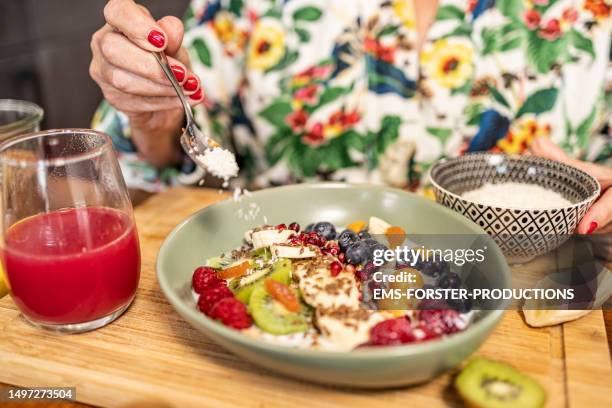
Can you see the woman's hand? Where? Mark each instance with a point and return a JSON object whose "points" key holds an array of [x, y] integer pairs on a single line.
{"points": [[132, 81], [599, 216]]}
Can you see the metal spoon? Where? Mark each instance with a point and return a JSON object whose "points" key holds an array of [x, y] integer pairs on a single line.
{"points": [[193, 140]]}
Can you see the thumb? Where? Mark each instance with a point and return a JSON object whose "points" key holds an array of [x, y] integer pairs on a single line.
{"points": [[598, 216], [136, 23], [174, 28]]}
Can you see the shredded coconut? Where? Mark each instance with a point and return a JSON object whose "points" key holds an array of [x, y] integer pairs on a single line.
{"points": [[221, 163], [517, 195]]}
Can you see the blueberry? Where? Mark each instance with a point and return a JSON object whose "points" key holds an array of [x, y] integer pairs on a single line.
{"points": [[358, 253], [346, 239], [460, 305], [432, 268], [309, 228], [363, 234], [449, 280], [325, 229]]}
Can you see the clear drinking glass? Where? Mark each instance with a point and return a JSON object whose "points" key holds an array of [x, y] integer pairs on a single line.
{"points": [[69, 242], [18, 117]]}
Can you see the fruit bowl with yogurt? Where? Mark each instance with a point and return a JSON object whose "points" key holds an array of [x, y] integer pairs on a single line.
{"points": [[264, 305], [308, 289]]}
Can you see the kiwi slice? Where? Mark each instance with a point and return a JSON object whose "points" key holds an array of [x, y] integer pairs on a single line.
{"points": [[489, 384], [242, 288], [271, 316]]}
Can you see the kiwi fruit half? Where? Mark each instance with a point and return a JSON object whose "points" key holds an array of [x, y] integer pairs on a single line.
{"points": [[485, 383], [272, 317], [280, 271]]}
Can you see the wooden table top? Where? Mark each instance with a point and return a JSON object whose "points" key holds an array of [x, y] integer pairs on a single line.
{"points": [[571, 360]]}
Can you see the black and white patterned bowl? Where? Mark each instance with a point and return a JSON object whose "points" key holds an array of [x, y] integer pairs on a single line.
{"points": [[521, 233]]}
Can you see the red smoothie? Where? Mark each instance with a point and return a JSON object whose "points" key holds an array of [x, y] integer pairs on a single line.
{"points": [[72, 265]]}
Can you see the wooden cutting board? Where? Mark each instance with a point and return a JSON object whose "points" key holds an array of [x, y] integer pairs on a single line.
{"points": [[151, 357]]}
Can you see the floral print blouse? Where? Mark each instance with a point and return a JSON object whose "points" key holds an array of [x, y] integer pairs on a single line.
{"points": [[336, 90]]}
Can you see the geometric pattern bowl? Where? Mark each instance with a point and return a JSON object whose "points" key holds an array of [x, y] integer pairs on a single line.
{"points": [[521, 233]]}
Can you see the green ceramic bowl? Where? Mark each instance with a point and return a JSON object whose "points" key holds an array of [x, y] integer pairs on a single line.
{"points": [[218, 228]]}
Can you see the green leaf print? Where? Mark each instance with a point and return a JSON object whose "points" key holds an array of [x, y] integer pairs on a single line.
{"points": [[472, 113], [498, 96], [331, 94], [202, 52], [235, 7], [581, 42], [450, 12], [388, 30], [583, 131], [303, 34], [307, 14], [539, 102], [288, 58], [379, 141], [277, 146], [442, 134], [276, 113], [542, 54], [513, 9]]}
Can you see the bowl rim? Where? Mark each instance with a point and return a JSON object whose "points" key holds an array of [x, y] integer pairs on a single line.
{"points": [[445, 161], [478, 328]]}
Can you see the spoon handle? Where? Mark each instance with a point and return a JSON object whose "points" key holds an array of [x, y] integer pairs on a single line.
{"points": [[163, 63]]}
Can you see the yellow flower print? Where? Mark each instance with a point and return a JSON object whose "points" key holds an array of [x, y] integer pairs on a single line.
{"points": [[267, 45], [449, 63], [404, 11], [227, 31], [521, 135]]}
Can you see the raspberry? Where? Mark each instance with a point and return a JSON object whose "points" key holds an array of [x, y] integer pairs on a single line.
{"points": [[231, 312], [211, 295], [294, 226], [281, 227], [440, 322], [203, 277], [392, 331]]}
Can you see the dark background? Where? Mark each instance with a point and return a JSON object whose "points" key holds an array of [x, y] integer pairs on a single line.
{"points": [[45, 55]]}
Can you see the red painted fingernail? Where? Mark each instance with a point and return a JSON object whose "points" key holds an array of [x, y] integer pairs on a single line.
{"points": [[196, 95], [592, 227], [156, 38], [179, 72], [191, 84]]}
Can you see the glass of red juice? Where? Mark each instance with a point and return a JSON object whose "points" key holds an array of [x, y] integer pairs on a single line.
{"points": [[69, 243]]}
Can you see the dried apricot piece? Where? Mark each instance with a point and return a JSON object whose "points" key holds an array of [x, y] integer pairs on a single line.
{"points": [[395, 236], [356, 226], [283, 294], [235, 271]]}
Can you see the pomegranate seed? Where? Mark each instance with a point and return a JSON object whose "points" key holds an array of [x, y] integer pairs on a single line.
{"points": [[361, 276], [333, 251], [294, 226], [341, 257], [281, 227], [335, 268]]}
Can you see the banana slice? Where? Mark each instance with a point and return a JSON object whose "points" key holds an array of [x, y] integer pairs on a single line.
{"points": [[348, 328], [541, 318], [292, 252], [322, 290], [269, 237], [378, 226]]}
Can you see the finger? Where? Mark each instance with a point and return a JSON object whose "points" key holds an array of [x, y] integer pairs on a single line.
{"points": [[122, 53], [602, 174], [130, 83], [135, 23], [175, 30], [139, 104], [182, 55], [598, 216]]}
